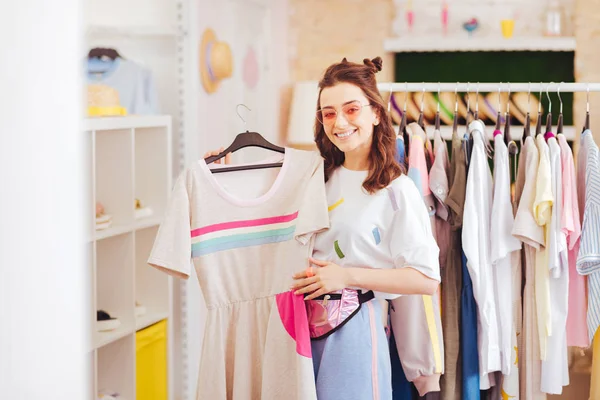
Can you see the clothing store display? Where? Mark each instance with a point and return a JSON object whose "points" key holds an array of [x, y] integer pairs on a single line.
{"points": [[532, 235], [476, 245], [105, 322], [134, 84], [555, 369], [503, 244], [375, 231], [245, 251], [416, 320]]}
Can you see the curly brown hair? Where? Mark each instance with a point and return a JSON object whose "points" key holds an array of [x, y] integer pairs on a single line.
{"points": [[383, 167]]}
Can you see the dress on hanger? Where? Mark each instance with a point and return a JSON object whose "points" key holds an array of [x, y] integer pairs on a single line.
{"points": [[245, 251]]}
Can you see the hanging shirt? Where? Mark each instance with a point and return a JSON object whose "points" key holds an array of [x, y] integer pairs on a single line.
{"points": [[476, 245], [438, 184], [134, 83], [455, 356], [245, 250], [502, 246], [532, 235], [555, 369], [571, 225], [542, 210]]}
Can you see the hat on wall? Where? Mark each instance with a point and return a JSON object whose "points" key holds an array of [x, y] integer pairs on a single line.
{"points": [[216, 61]]}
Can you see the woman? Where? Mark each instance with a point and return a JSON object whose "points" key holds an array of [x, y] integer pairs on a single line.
{"points": [[380, 240]]}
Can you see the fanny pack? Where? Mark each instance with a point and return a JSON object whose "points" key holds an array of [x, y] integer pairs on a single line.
{"points": [[330, 312]]}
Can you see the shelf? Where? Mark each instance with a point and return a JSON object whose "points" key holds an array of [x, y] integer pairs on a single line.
{"points": [[104, 338], [150, 318], [130, 122], [463, 43], [140, 224], [150, 31]]}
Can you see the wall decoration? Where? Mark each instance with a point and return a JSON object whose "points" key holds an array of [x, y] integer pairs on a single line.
{"points": [[216, 61]]}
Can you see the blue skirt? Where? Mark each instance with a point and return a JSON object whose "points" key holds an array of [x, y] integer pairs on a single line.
{"points": [[354, 361]]}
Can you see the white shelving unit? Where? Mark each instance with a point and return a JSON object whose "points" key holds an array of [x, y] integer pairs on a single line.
{"points": [[130, 158], [460, 43]]}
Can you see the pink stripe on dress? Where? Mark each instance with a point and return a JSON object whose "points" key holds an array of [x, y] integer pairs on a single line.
{"points": [[243, 224]]}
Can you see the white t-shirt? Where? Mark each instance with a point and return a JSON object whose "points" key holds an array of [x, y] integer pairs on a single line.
{"points": [[476, 245], [388, 229], [555, 369], [502, 245]]}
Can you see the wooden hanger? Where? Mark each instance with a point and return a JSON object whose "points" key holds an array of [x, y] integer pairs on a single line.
{"points": [[587, 111], [559, 126], [538, 125], [242, 140]]}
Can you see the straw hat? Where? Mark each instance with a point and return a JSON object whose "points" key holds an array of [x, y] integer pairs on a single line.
{"points": [[216, 61]]}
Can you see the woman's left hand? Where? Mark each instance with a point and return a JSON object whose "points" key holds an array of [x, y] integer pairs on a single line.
{"points": [[328, 278]]}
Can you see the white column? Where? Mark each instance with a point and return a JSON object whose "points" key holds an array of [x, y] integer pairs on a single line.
{"points": [[44, 275]]}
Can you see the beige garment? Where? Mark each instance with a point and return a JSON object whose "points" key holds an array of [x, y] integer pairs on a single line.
{"points": [[532, 235], [245, 251], [542, 211]]}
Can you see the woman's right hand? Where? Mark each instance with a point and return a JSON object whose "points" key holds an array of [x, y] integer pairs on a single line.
{"points": [[215, 152]]}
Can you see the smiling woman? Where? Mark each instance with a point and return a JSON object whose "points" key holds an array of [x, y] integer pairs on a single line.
{"points": [[379, 245]]}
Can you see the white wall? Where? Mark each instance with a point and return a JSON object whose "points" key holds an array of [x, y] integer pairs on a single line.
{"points": [[44, 310]]}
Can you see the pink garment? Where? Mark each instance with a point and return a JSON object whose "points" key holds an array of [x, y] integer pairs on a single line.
{"points": [[571, 227]]}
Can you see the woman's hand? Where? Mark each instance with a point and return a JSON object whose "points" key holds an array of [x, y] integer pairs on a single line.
{"points": [[328, 278], [215, 152]]}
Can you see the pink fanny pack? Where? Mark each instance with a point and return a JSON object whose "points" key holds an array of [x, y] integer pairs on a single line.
{"points": [[330, 312]]}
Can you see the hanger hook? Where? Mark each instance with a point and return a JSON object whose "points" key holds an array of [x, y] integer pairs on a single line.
{"points": [[540, 102], [560, 98], [405, 96], [438, 99], [477, 99], [587, 98], [423, 98], [529, 98], [456, 98], [508, 100], [389, 104], [499, 97], [237, 111], [468, 99], [548, 96]]}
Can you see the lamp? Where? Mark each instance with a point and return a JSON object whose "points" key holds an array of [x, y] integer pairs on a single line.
{"points": [[301, 124]]}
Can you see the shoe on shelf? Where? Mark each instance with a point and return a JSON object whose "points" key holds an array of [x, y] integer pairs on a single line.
{"points": [[104, 322], [141, 211]]}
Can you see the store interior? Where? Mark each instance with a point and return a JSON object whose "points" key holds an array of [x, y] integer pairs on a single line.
{"points": [[166, 81]]}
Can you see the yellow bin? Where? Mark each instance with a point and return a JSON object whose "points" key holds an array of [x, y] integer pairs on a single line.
{"points": [[151, 362]]}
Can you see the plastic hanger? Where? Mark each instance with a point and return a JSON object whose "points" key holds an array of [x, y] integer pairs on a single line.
{"points": [[499, 116], [586, 125], [476, 115], [538, 125], [437, 113], [100, 52], [468, 105], [548, 132], [242, 140], [455, 118], [559, 126], [421, 121], [527, 125], [403, 124], [507, 120]]}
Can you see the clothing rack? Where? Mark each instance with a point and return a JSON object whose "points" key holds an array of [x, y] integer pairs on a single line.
{"points": [[488, 87]]}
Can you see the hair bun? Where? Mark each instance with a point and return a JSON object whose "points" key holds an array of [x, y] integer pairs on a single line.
{"points": [[376, 64]]}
